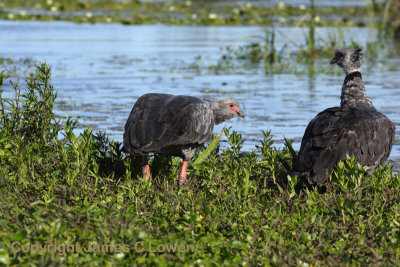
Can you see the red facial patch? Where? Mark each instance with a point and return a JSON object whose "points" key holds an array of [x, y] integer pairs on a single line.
{"points": [[235, 108]]}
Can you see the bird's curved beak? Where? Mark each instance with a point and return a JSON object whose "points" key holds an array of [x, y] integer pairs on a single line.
{"points": [[240, 113], [334, 60], [237, 111]]}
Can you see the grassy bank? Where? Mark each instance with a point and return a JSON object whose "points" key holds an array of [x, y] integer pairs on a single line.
{"points": [[84, 202], [185, 12]]}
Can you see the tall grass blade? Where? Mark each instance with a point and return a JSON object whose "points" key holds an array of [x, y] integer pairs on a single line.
{"points": [[289, 145], [208, 150]]}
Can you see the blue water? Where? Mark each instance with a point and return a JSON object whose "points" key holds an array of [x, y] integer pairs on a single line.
{"points": [[100, 70]]}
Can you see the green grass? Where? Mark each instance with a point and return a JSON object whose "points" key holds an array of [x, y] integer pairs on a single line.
{"points": [[181, 12], [60, 189]]}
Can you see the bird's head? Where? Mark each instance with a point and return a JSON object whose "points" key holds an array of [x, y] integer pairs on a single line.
{"points": [[348, 58], [225, 109]]}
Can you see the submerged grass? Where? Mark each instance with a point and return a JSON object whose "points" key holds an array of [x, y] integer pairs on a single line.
{"points": [[16, 67], [299, 58], [296, 56], [68, 199]]}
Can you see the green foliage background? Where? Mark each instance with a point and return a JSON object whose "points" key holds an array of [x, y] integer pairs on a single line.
{"points": [[239, 208]]}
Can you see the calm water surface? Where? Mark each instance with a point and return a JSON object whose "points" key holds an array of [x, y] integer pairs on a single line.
{"points": [[100, 70]]}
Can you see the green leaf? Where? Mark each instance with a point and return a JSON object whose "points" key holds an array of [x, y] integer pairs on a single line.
{"points": [[211, 147], [305, 237], [4, 258], [288, 144], [175, 160]]}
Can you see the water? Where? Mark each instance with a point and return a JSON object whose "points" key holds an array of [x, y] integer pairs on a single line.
{"points": [[100, 70]]}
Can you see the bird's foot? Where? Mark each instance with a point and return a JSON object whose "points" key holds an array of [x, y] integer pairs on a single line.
{"points": [[145, 167], [182, 180], [182, 176], [146, 171]]}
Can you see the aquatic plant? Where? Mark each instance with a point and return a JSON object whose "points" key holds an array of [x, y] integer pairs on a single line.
{"points": [[16, 67], [294, 56], [311, 31], [390, 19]]}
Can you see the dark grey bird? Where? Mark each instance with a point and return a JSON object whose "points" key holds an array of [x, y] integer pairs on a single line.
{"points": [[355, 128], [175, 125]]}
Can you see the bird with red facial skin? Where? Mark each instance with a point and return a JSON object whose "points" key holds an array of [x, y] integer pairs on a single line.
{"points": [[175, 125]]}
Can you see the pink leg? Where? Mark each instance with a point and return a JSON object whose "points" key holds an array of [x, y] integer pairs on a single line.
{"points": [[182, 175], [145, 167]]}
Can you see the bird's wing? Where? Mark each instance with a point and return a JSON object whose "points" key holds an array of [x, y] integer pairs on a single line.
{"points": [[335, 132], [159, 120], [188, 120], [142, 126], [376, 137]]}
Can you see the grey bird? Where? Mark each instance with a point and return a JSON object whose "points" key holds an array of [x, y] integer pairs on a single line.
{"points": [[175, 125], [355, 128]]}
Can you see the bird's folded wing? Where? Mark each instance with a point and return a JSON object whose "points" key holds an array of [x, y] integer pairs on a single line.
{"points": [[335, 133]]}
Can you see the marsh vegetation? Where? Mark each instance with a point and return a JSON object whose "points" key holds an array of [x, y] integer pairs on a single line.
{"points": [[238, 208], [64, 179]]}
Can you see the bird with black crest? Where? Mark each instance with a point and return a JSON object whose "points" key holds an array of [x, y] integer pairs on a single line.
{"points": [[355, 128]]}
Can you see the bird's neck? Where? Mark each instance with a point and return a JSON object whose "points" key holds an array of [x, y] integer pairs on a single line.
{"points": [[353, 91], [218, 115]]}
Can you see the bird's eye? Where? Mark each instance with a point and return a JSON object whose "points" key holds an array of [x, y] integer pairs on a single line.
{"points": [[230, 105]]}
